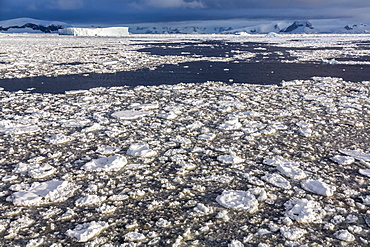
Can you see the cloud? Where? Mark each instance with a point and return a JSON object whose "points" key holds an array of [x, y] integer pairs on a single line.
{"points": [[69, 4], [138, 11], [167, 4]]}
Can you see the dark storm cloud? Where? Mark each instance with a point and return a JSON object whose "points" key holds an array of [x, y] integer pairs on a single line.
{"points": [[131, 11]]}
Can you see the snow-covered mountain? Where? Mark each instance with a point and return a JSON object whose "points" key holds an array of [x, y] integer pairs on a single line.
{"points": [[264, 28], [216, 27], [29, 25], [178, 30]]}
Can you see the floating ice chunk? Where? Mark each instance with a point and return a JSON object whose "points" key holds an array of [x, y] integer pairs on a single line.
{"points": [[106, 164], [145, 107], [357, 154], [170, 115], [134, 237], [343, 160], [130, 114], [274, 161], [90, 200], [86, 231], [141, 150], [235, 243], [92, 128], [202, 210], [180, 139], [292, 233], [331, 61], [75, 123], [304, 211], [230, 159], [277, 180], [35, 170], [291, 83], [365, 172], [43, 193], [366, 199], [246, 114], [291, 170], [18, 129], [305, 132], [108, 150], [344, 235], [318, 187], [233, 124], [163, 223], [207, 136], [304, 125], [3, 224], [58, 139], [35, 242], [106, 209], [41, 171], [238, 200], [74, 92]]}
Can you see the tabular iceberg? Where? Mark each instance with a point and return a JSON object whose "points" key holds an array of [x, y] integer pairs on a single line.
{"points": [[108, 31]]}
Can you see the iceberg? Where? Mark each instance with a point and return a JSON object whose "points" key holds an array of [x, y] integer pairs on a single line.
{"points": [[105, 32]]}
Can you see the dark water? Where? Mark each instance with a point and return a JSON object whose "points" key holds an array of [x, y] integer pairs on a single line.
{"points": [[260, 70]]}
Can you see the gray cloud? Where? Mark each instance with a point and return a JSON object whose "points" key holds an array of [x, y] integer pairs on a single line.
{"points": [[130, 11]]}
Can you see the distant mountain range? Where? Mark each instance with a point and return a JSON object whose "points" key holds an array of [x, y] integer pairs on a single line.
{"points": [[29, 25], [41, 26]]}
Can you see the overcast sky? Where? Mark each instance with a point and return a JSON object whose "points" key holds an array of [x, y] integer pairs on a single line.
{"points": [[141, 11]]}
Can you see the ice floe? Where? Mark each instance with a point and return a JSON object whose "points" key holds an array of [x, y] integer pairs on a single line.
{"points": [[130, 114], [41, 193], [238, 200], [305, 211], [141, 150], [86, 231], [318, 187], [108, 164], [357, 154]]}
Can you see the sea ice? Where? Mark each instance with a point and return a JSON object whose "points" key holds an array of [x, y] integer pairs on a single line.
{"points": [[235, 243], [277, 180], [292, 233], [107, 150], [305, 132], [318, 187], [238, 200], [90, 201], [141, 150], [41, 193], [233, 124], [86, 231], [207, 136], [365, 172], [106, 164], [304, 211], [134, 236], [18, 129], [130, 114], [58, 139], [35, 170], [343, 160], [291, 170], [230, 159], [344, 235], [357, 154]]}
